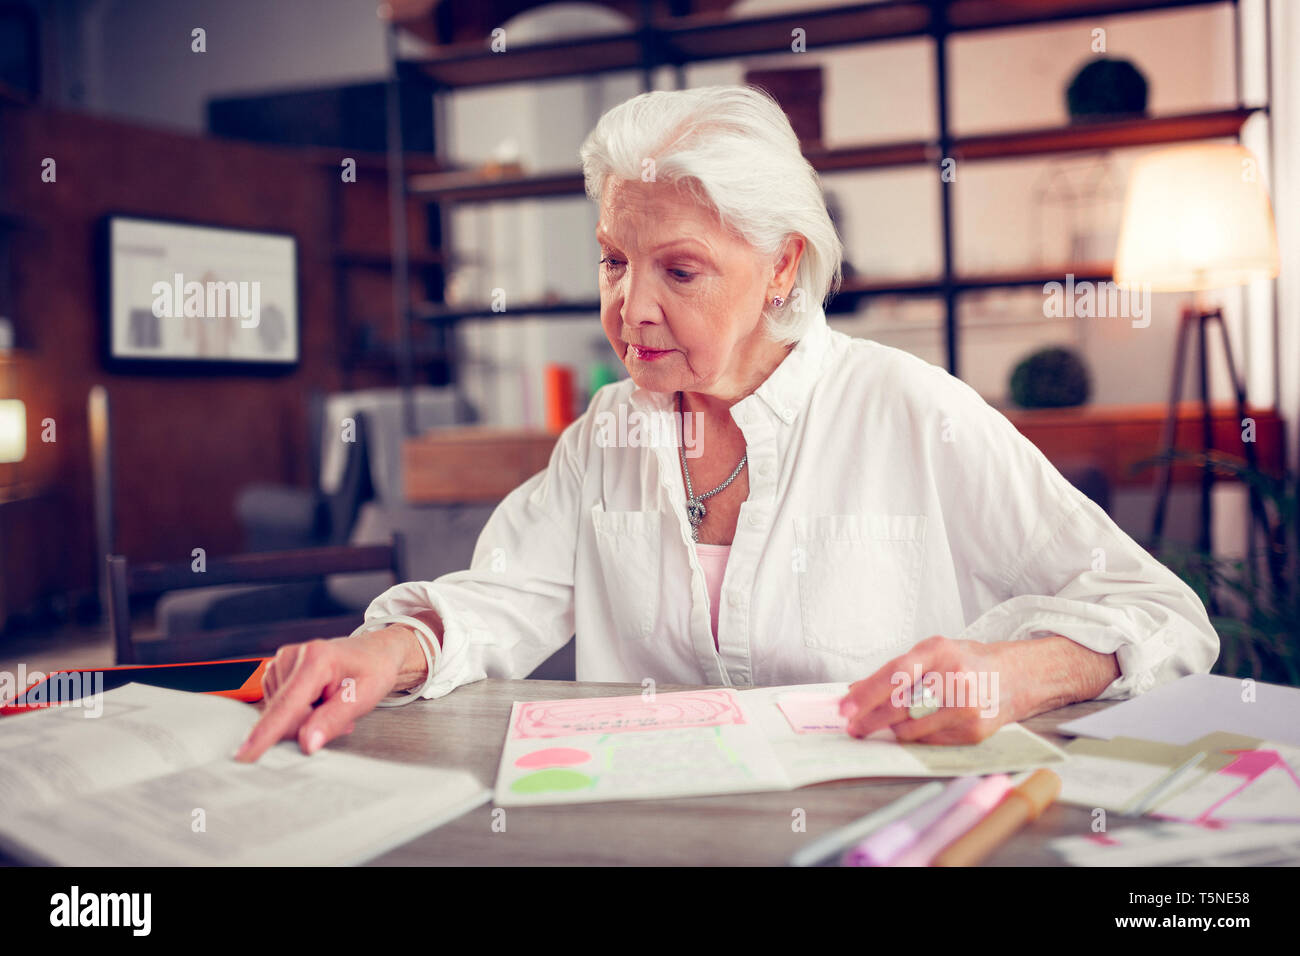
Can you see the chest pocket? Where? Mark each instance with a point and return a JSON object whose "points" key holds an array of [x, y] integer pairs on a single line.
{"points": [[629, 546], [859, 581]]}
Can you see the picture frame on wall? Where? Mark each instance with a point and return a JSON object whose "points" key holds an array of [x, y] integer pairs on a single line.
{"points": [[184, 296]]}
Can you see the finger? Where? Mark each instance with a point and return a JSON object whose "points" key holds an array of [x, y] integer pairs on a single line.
{"points": [[269, 681], [292, 703], [331, 719], [278, 668], [894, 678], [886, 715]]}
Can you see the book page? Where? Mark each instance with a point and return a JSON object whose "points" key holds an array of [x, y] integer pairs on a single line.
{"points": [[802, 724], [154, 783], [686, 743], [51, 755], [288, 809]]}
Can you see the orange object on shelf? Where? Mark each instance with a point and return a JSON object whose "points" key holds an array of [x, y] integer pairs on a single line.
{"points": [[559, 397]]}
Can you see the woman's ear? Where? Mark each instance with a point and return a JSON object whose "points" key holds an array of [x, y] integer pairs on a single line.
{"points": [[786, 265]]}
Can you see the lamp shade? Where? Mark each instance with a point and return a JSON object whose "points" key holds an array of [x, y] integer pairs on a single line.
{"points": [[1196, 217], [13, 430]]}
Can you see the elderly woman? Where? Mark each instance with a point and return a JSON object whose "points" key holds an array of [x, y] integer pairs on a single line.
{"points": [[822, 509]]}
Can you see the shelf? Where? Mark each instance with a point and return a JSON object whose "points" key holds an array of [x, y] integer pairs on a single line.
{"points": [[975, 282], [1082, 272], [439, 313], [453, 188], [703, 37], [850, 288], [464, 65], [1103, 134], [869, 328], [673, 41], [965, 16]]}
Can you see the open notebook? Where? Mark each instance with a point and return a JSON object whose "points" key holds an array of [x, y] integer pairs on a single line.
{"points": [[151, 782], [721, 740]]}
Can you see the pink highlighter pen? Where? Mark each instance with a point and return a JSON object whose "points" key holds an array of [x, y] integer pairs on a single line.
{"points": [[970, 810], [886, 844]]}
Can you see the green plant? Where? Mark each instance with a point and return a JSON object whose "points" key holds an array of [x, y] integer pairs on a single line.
{"points": [[1106, 88], [1259, 623], [1053, 377]]}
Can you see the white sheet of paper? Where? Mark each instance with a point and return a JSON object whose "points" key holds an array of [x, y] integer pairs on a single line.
{"points": [[1182, 844], [1088, 780], [1193, 706]]}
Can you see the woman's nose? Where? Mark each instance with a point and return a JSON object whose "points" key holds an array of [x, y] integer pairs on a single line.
{"points": [[640, 303]]}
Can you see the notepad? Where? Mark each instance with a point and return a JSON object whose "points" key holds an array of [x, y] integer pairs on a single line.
{"points": [[721, 740], [150, 781]]}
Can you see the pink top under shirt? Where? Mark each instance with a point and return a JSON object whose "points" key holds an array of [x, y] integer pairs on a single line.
{"points": [[713, 558]]}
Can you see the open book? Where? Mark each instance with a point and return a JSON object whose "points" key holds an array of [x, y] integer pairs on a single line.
{"points": [[151, 782], [721, 740]]}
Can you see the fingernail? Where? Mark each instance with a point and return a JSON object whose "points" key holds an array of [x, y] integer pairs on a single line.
{"points": [[314, 741], [848, 707]]}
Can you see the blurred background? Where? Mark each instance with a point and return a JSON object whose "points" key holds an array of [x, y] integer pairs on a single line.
{"points": [[399, 184]]}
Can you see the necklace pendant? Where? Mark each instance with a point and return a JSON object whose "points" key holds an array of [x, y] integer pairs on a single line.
{"points": [[695, 511]]}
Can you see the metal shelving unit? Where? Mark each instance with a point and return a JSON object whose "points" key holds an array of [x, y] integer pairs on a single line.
{"points": [[675, 41]]}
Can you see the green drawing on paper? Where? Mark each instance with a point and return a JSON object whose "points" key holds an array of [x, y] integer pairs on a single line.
{"points": [[544, 781]]}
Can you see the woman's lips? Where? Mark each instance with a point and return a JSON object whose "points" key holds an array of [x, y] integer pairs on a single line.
{"points": [[648, 355]]}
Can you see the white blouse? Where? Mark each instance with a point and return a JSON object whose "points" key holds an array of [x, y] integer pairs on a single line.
{"points": [[887, 502]]}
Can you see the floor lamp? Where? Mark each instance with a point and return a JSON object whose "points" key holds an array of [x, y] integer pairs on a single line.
{"points": [[1197, 219]]}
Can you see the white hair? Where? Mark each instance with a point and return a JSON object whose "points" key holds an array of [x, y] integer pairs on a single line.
{"points": [[732, 148]]}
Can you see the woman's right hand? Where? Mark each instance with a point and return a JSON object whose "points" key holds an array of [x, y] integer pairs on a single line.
{"points": [[316, 691]]}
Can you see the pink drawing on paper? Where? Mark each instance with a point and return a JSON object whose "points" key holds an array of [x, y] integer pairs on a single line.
{"points": [[813, 713], [613, 715], [553, 757], [1256, 768]]}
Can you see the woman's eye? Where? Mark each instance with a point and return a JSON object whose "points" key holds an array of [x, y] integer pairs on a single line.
{"points": [[681, 275], [610, 263]]}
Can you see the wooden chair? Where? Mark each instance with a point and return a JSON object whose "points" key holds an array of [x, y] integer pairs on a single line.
{"points": [[267, 567]]}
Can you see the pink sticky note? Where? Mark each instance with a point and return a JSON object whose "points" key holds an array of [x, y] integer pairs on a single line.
{"points": [[813, 713]]}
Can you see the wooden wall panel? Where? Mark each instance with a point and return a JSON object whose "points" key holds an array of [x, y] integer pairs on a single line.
{"points": [[183, 446]]}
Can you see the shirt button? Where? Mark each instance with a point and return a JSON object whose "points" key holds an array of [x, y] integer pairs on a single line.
{"points": [[765, 469], [733, 599], [645, 627], [755, 521], [787, 414]]}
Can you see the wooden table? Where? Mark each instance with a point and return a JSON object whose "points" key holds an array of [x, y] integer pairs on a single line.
{"points": [[466, 729]]}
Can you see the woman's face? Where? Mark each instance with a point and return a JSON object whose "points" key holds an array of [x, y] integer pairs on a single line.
{"points": [[680, 297]]}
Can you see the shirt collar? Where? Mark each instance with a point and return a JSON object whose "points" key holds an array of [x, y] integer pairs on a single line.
{"points": [[785, 391]]}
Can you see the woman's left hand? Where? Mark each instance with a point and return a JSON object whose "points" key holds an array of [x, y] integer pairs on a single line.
{"points": [[978, 687]]}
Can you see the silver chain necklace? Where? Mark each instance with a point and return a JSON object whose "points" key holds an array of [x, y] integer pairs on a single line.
{"points": [[695, 510]]}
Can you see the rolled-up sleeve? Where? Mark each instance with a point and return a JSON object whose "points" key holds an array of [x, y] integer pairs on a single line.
{"points": [[513, 607], [1042, 558]]}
